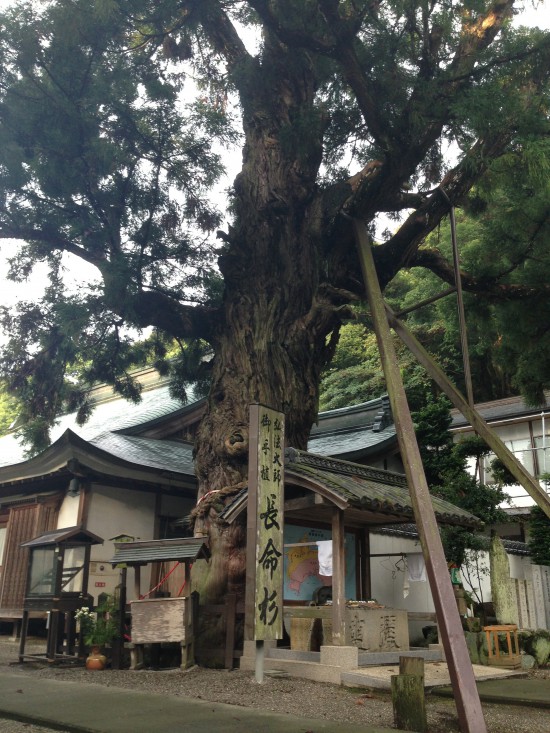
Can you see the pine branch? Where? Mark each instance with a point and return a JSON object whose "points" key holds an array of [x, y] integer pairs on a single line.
{"points": [[56, 242], [401, 249], [222, 34], [479, 34], [153, 308], [433, 260]]}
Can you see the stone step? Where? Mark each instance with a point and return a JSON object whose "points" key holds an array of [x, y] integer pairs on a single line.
{"points": [[377, 659], [297, 656], [366, 659]]}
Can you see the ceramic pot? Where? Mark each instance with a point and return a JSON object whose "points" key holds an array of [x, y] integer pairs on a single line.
{"points": [[96, 660]]}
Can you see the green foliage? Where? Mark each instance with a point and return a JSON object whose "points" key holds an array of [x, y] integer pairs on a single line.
{"points": [[117, 117], [445, 464], [355, 374], [92, 152], [539, 537], [8, 411], [99, 627]]}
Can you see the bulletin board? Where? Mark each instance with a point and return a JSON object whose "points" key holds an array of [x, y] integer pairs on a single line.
{"points": [[301, 566]]}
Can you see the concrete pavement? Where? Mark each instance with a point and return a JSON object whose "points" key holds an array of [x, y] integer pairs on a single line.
{"points": [[92, 708], [436, 674], [511, 691]]}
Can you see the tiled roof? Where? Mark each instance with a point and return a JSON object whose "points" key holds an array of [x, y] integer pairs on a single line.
{"points": [[118, 414], [168, 455], [107, 417], [354, 431], [506, 409], [359, 487], [127, 457], [352, 442], [369, 488], [136, 553], [410, 531], [55, 536], [348, 432]]}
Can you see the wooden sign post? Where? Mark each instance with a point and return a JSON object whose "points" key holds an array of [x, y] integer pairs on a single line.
{"points": [[264, 550]]}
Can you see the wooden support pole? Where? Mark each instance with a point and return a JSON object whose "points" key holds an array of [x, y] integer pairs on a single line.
{"points": [[461, 314], [409, 703], [364, 569], [117, 645], [411, 665], [522, 476], [338, 579], [460, 668], [230, 618], [23, 638], [137, 582], [188, 646]]}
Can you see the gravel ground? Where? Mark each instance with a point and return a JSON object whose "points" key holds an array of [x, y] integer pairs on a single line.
{"points": [[281, 694]]}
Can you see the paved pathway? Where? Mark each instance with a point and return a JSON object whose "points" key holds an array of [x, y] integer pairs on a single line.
{"points": [[95, 708]]}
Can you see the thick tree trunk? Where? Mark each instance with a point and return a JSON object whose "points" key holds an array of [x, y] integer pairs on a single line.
{"points": [[271, 344]]}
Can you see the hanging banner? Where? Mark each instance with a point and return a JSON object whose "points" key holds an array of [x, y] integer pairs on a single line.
{"points": [[265, 497]]}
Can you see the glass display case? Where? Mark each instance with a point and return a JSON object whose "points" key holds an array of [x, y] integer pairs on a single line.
{"points": [[57, 583]]}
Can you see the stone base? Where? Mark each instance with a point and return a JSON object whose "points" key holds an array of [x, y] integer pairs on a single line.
{"points": [[333, 661], [345, 657], [249, 648]]}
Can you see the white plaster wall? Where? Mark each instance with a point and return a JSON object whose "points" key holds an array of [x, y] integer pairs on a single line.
{"points": [[113, 511], [388, 577], [68, 514]]}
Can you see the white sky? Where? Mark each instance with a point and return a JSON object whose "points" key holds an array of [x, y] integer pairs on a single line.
{"points": [[11, 293]]}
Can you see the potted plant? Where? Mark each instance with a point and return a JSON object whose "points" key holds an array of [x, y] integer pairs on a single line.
{"points": [[97, 629]]}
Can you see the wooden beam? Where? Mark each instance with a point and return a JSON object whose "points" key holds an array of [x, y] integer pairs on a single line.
{"points": [[305, 502], [456, 652]]}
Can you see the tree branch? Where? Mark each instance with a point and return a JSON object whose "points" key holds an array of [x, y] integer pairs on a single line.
{"points": [[434, 261], [291, 36], [222, 34], [181, 321], [54, 240], [478, 35], [400, 250]]}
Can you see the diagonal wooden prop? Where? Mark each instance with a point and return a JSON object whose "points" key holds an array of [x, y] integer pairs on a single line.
{"points": [[466, 694], [522, 476]]}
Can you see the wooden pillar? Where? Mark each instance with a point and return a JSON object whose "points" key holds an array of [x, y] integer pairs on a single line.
{"points": [[188, 646], [53, 632], [23, 639], [117, 644], [70, 631], [137, 582], [338, 579], [364, 565]]}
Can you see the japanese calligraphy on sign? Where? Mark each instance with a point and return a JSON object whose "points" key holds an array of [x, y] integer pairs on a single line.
{"points": [[267, 466]]}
